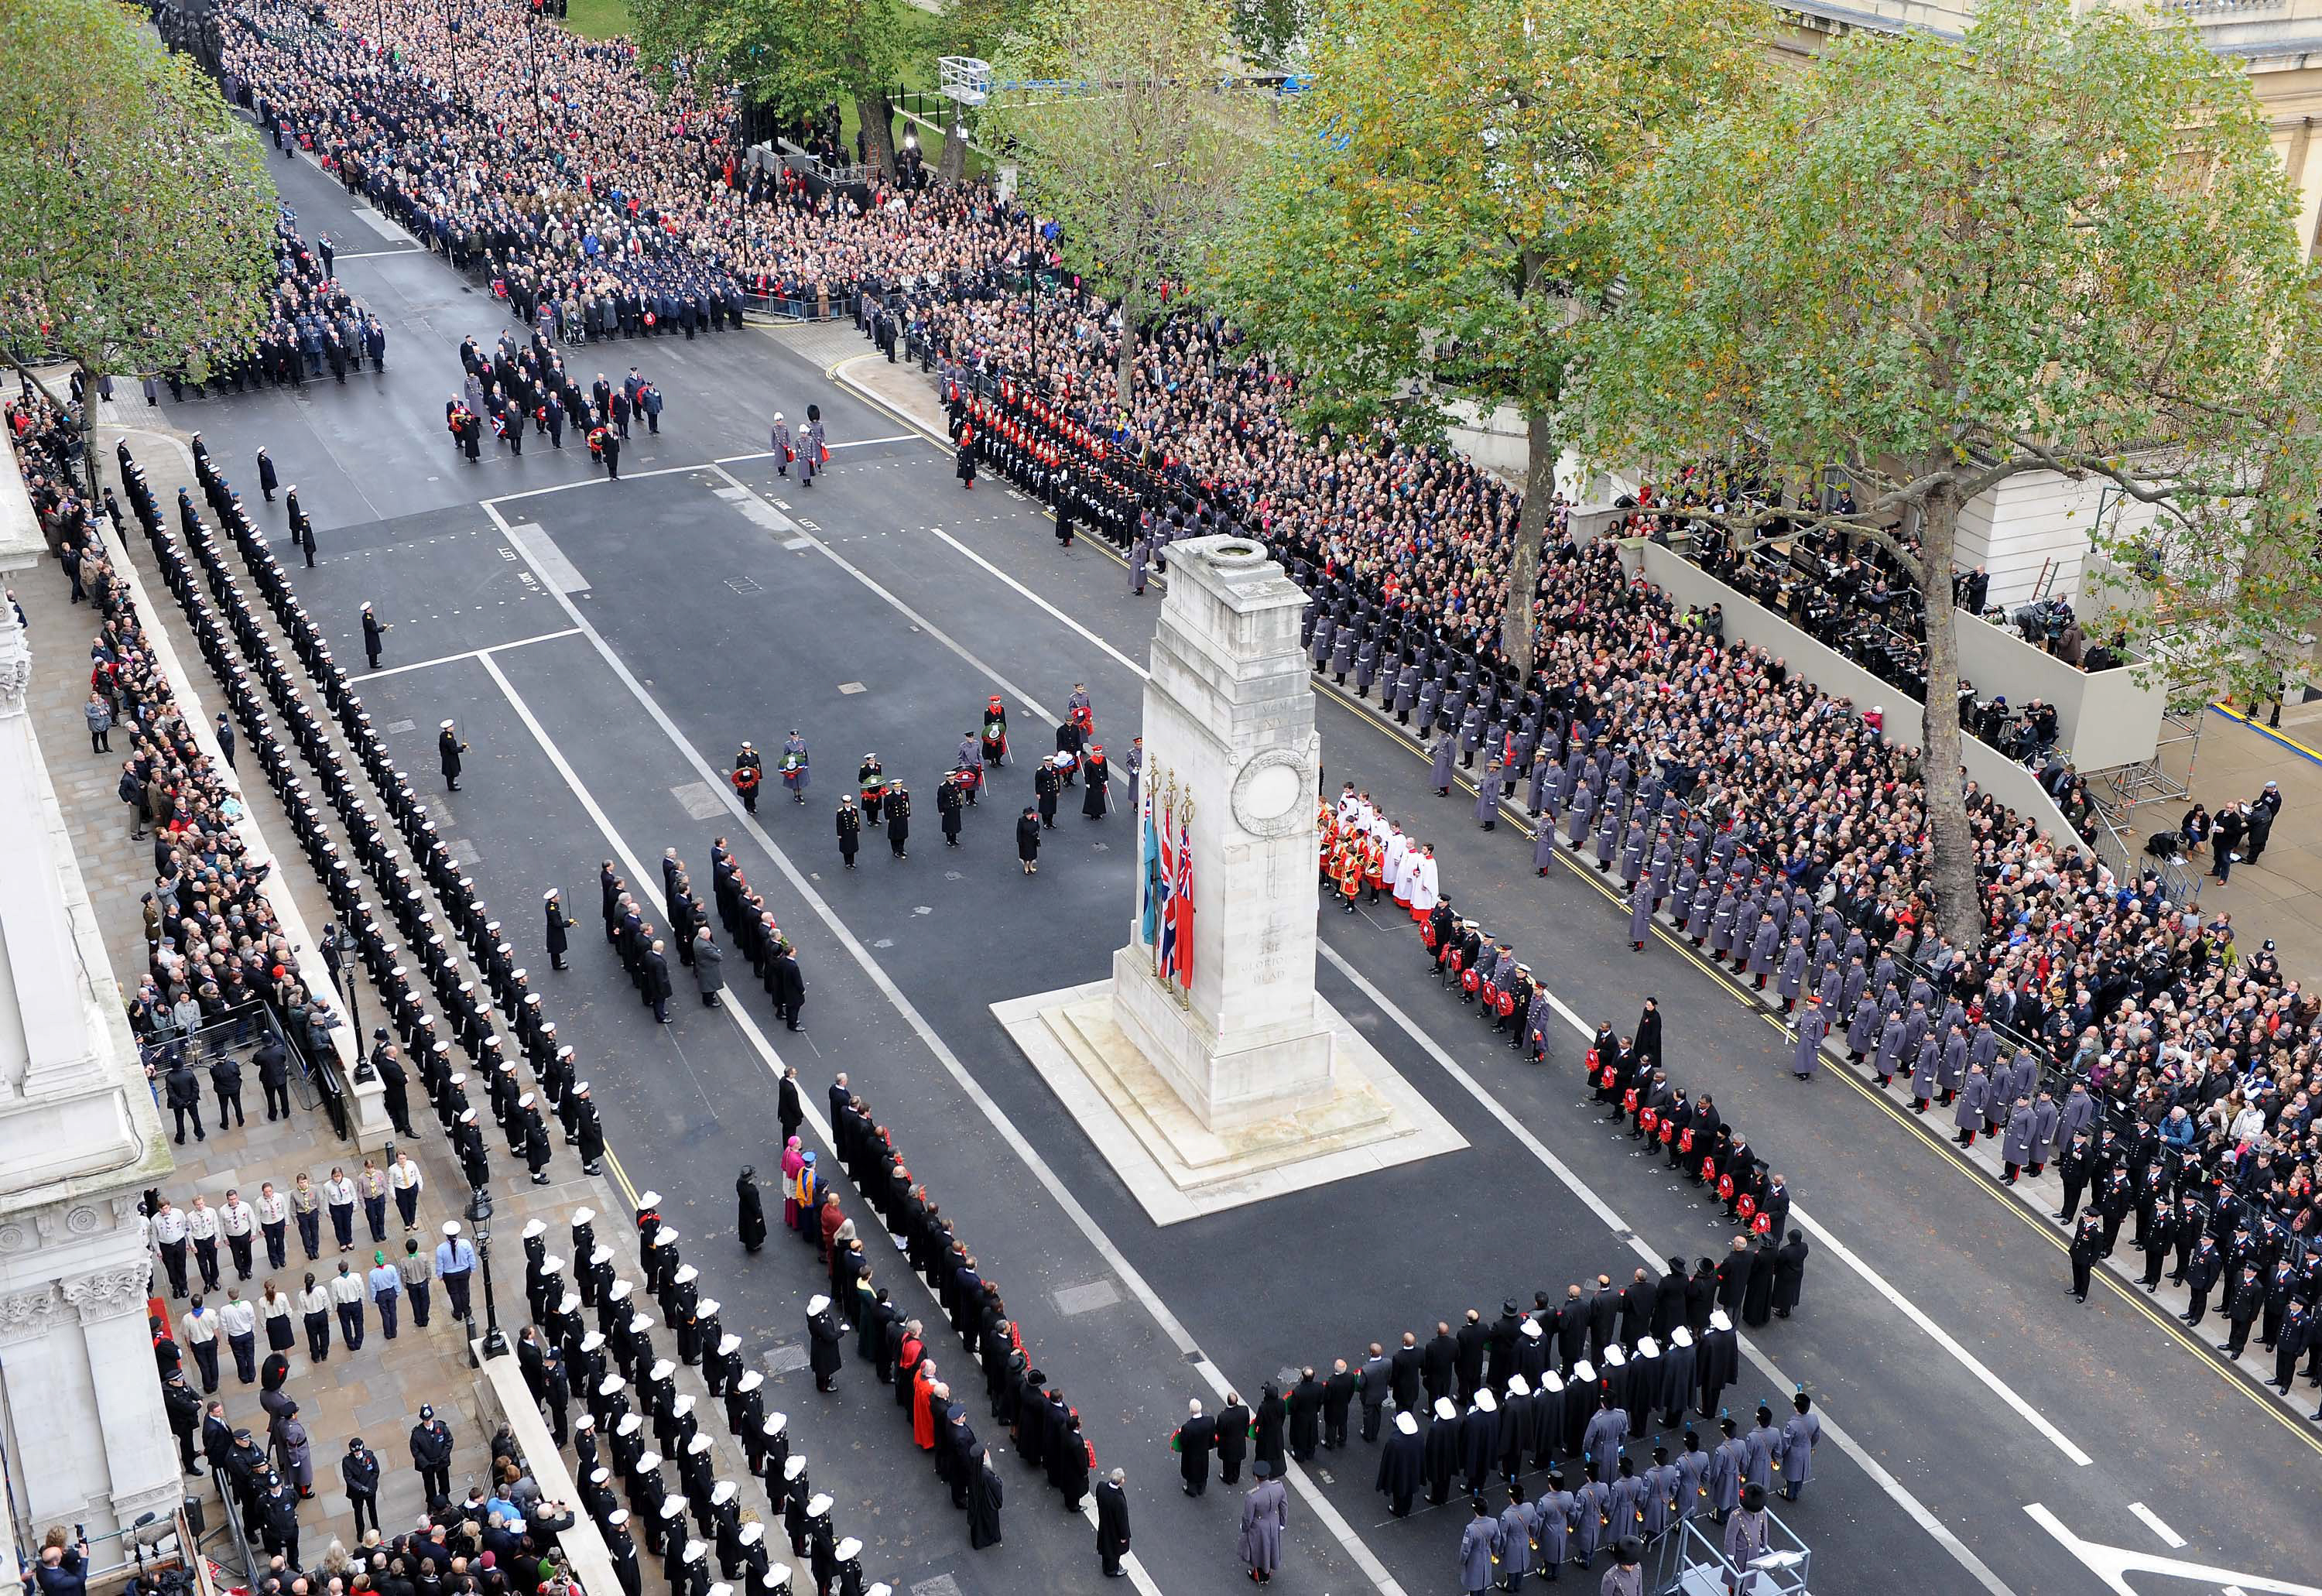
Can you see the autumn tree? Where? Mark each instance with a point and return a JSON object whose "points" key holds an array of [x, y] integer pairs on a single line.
{"points": [[1442, 205], [2061, 244], [1143, 159], [788, 57], [137, 213]]}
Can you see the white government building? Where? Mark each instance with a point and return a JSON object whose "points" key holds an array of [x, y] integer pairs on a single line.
{"points": [[86, 1439]]}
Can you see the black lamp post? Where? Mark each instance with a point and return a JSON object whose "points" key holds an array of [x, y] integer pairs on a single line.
{"points": [[343, 978], [480, 1215]]}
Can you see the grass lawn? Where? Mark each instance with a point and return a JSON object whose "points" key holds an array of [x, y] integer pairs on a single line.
{"points": [[598, 19]]}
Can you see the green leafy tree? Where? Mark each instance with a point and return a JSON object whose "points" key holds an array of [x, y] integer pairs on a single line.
{"points": [[137, 213], [2063, 244], [789, 56], [1145, 163], [1442, 205]]}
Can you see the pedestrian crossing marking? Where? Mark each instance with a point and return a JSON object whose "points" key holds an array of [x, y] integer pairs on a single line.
{"points": [[851, 688]]}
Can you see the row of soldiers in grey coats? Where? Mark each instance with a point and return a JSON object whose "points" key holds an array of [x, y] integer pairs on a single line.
{"points": [[1417, 674], [403, 892], [638, 1422]]}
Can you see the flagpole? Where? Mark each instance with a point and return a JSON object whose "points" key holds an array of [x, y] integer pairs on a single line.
{"points": [[1185, 867]]}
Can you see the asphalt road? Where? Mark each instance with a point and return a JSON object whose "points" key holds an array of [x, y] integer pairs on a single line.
{"points": [[606, 646]]}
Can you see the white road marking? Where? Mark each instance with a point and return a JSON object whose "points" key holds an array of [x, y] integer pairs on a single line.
{"points": [[867, 443], [1004, 1127], [764, 1049], [1901, 1494], [979, 560], [2113, 1564], [473, 654], [1903, 1304], [2153, 1522]]}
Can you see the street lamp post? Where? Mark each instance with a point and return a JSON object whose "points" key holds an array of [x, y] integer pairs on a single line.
{"points": [[342, 977], [480, 1215]]}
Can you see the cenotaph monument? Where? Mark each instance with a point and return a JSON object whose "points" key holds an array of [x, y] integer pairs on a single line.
{"points": [[1207, 1069]]}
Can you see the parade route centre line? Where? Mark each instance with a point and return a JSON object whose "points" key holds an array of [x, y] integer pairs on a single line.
{"points": [[1050, 1182]]}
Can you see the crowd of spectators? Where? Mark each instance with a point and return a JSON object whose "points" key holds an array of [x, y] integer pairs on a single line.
{"points": [[313, 325], [215, 953]]}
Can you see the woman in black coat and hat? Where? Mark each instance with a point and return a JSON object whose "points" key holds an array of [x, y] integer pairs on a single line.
{"points": [[1273, 1418], [1027, 840], [752, 1222]]}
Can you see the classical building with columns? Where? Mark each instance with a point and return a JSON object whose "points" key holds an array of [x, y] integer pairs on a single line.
{"points": [[80, 1140]]}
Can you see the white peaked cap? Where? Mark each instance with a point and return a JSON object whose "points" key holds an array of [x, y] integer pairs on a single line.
{"points": [[1406, 1424], [775, 1424], [1518, 1386], [848, 1550], [1718, 1321], [1681, 1336], [751, 1379], [640, 1324], [818, 1505], [795, 1466], [1444, 1410], [724, 1492], [648, 1462], [662, 1369], [674, 1505], [698, 1443], [1615, 1355], [1486, 1402], [682, 1405], [1532, 1328], [584, 1215], [1647, 1347], [1551, 1381], [665, 1236], [749, 1533], [817, 1304], [1584, 1371], [686, 1275], [612, 1384], [533, 1227], [728, 1345], [648, 1200], [618, 1517]]}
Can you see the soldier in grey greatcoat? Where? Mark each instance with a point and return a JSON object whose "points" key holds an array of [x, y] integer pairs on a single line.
{"points": [[1640, 914], [1794, 973], [1967, 1116], [1487, 797], [1406, 692], [1814, 1023], [1441, 770], [2016, 1148], [1764, 939], [1575, 818]]}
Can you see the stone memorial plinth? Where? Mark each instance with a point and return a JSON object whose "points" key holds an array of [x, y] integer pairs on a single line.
{"points": [[1244, 1082]]}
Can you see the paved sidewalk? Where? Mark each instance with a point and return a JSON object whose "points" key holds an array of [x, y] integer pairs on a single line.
{"points": [[375, 1393], [2281, 896]]}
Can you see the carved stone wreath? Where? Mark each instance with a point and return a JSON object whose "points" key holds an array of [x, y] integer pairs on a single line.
{"points": [[1269, 790]]}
